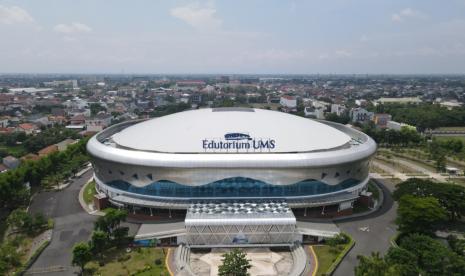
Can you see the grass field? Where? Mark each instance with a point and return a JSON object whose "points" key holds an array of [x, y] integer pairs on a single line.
{"points": [[395, 165], [458, 181], [406, 156], [326, 256], [140, 261], [89, 192], [450, 128], [16, 151], [445, 138]]}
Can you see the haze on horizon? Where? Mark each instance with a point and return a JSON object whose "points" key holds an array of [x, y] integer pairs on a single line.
{"points": [[223, 37]]}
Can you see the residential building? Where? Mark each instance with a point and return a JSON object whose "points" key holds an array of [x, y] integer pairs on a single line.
{"points": [[359, 114], [11, 162], [338, 109], [314, 112], [64, 144], [288, 102], [47, 150], [381, 119], [27, 128]]}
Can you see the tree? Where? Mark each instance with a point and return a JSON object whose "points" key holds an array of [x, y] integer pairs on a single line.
{"points": [[402, 261], [120, 234], [458, 246], [432, 256], [234, 263], [450, 196], [111, 220], [99, 241], [81, 255], [440, 162], [16, 218], [371, 266], [419, 214]]}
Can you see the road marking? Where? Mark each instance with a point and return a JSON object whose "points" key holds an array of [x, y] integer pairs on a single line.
{"points": [[315, 270], [49, 269], [167, 262]]}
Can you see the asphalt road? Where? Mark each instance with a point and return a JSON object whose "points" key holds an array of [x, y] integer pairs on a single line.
{"points": [[371, 233], [72, 225]]}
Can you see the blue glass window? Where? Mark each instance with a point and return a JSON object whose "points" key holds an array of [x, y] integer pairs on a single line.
{"points": [[236, 187]]}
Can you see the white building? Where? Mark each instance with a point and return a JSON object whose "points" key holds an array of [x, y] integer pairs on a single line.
{"points": [[338, 109], [225, 171], [317, 113], [397, 126], [289, 102], [222, 153], [360, 115]]}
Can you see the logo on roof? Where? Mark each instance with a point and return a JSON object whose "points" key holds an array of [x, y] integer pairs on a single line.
{"points": [[238, 142], [236, 136]]}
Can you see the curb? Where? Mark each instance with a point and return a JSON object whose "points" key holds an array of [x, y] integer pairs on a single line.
{"points": [[341, 257], [34, 257], [83, 203]]}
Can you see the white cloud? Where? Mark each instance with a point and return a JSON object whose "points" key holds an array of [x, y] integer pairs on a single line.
{"points": [[407, 13], [14, 14], [72, 28], [343, 53], [364, 38], [201, 18]]}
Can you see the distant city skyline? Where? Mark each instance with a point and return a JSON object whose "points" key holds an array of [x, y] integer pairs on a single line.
{"points": [[233, 37]]}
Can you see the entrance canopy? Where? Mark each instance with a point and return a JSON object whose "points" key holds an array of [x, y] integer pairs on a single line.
{"points": [[229, 224]]}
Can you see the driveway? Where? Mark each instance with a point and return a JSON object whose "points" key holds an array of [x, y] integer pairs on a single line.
{"points": [[72, 225], [371, 233]]}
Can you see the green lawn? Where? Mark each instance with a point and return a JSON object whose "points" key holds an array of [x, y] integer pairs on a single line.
{"points": [[17, 151], [450, 128], [374, 190], [445, 138], [326, 256], [140, 261], [458, 181], [89, 192]]}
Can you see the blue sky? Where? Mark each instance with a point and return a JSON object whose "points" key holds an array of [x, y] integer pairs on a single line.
{"points": [[332, 36]]}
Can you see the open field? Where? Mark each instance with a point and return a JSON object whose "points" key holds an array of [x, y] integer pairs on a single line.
{"points": [[458, 181], [450, 129], [448, 137], [396, 165]]}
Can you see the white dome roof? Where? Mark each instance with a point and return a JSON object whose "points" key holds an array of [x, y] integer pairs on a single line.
{"points": [[191, 131]]}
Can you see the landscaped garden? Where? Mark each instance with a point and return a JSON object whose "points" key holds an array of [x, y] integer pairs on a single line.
{"points": [[139, 261], [89, 192], [110, 250], [331, 253]]}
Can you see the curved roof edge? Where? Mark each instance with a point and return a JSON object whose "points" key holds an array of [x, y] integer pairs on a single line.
{"points": [[365, 149]]}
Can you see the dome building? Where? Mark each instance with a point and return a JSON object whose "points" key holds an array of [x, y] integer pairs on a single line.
{"points": [[160, 167]]}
